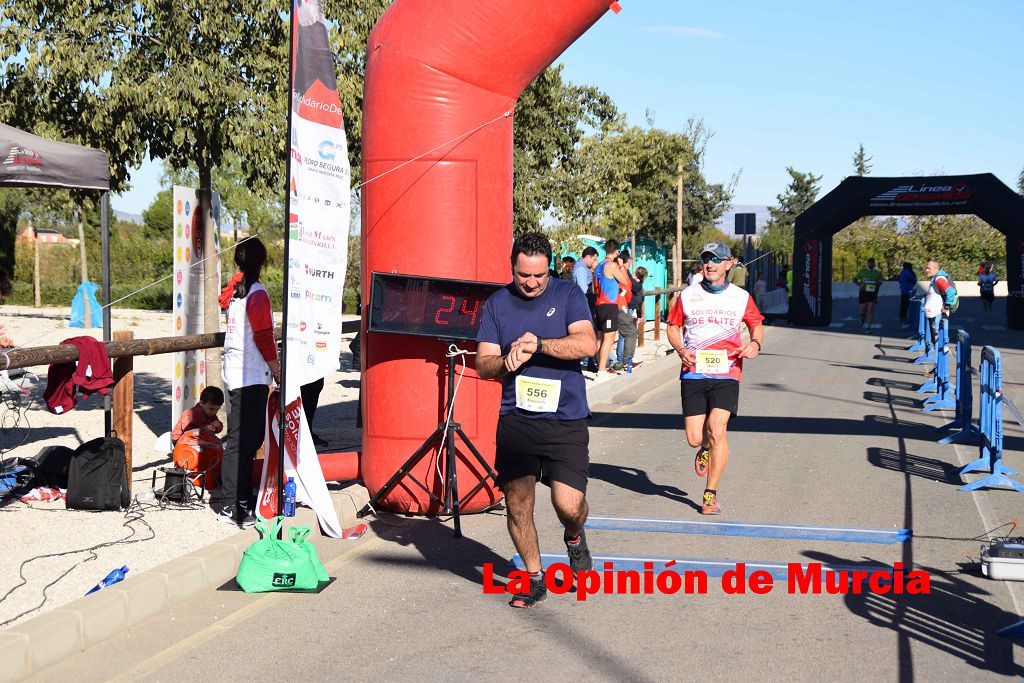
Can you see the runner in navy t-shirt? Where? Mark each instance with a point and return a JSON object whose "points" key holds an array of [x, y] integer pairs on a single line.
{"points": [[532, 336]]}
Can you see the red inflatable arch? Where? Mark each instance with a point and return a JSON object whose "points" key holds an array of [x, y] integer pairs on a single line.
{"points": [[437, 69]]}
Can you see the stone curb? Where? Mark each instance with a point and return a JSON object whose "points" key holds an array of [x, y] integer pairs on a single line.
{"points": [[58, 634]]}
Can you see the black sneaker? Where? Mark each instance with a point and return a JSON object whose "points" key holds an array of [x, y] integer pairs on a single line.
{"points": [[230, 515], [538, 592], [245, 521], [227, 515], [579, 554]]}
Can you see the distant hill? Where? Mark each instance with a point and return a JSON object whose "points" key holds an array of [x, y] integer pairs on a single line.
{"points": [[727, 223], [128, 217]]}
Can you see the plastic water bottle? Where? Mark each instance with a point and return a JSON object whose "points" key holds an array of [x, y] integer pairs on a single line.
{"points": [[111, 578], [629, 365], [289, 498], [147, 496]]}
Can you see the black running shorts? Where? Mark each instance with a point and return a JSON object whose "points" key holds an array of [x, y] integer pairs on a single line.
{"points": [[868, 297], [701, 395], [607, 317], [551, 450]]}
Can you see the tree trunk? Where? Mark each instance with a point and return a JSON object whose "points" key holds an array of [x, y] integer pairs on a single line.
{"points": [[35, 271], [85, 267], [211, 282]]}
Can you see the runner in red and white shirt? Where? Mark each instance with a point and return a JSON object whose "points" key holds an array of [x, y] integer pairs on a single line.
{"points": [[704, 327]]}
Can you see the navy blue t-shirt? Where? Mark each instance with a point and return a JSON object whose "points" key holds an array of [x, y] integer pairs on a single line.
{"points": [[508, 316]]}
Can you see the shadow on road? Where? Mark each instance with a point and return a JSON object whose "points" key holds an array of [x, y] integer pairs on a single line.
{"points": [[638, 481], [954, 618]]}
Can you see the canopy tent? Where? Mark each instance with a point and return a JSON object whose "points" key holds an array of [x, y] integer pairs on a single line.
{"points": [[27, 160]]}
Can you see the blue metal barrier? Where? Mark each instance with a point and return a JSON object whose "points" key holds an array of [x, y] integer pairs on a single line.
{"points": [[964, 395], [922, 329], [944, 397], [991, 423], [930, 347]]}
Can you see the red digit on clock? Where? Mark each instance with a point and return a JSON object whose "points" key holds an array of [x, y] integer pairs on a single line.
{"points": [[437, 316], [471, 314]]}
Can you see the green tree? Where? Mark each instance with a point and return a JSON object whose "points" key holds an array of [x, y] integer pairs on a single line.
{"points": [[861, 165], [958, 242], [551, 117], [625, 180], [158, 218], [12, 202], [800, 194]]}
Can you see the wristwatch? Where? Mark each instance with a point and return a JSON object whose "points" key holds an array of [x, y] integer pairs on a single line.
{"points": [[540, 346]]}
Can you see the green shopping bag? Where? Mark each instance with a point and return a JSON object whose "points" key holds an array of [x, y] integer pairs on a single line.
{"points": [[298, 536], [273, 565]]}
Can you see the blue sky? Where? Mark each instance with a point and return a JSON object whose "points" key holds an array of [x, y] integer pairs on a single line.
{"points": [[927, 87]]}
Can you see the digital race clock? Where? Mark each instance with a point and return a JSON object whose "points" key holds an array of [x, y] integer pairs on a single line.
{"points": [[427, 306]]}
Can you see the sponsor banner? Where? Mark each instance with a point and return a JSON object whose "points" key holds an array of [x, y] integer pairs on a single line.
{"points": [[188, 372], [812, 251], [318, 224], [919, 194], [300, 462]]}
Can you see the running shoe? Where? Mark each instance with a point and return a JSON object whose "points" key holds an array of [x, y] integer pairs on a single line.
{"points": [[710, 506], [602, 376], [579, 553], [638, 363], [538, 592], [700, 462]]}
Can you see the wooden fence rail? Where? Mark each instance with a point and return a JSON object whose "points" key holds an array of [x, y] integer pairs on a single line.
{"points": [[657, 294]]}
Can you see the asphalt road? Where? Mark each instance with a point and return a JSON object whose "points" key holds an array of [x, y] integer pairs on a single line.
{"points": [[830, 434]]}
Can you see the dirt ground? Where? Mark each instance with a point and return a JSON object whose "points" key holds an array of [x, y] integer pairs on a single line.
{"points": [[65, 542]]}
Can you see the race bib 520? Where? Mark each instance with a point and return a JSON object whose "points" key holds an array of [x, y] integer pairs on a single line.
{"points": [[712, 362]]}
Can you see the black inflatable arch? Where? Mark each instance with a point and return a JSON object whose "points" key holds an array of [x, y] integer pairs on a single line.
{"points": [[983, 195]]}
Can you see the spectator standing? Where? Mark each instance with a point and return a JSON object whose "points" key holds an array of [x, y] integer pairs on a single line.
{"points": [[760, 289], [250, 364], [942, 299], [987, 286], [738, 274], [907, 280], [695, 276], [613, 291], [583, 276], [568, 263], [626, 345]]}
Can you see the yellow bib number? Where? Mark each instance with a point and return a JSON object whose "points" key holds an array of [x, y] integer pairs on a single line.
{"points": [[712, 362], [537, 395]]}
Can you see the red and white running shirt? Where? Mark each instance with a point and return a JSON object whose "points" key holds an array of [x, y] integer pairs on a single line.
{"points": [[711, 322]]}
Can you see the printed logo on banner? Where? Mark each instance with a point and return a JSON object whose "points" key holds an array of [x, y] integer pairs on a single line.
{"points": [[326, 150], [22, 160], [812, 275], [320, 273], [318, 298], [956, 194]]}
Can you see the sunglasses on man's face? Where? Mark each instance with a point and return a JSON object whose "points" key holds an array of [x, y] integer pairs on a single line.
{"points": [[710, 259]]}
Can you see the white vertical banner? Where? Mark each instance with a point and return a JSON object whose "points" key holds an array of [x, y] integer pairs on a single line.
{"points": [[189, 367], [318, 225]]}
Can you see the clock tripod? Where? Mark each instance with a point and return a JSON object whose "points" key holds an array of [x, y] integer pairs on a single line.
{"points": [[444, 436]]}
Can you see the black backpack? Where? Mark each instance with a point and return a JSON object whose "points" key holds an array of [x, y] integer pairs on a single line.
{"points": [[97, 479]]}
